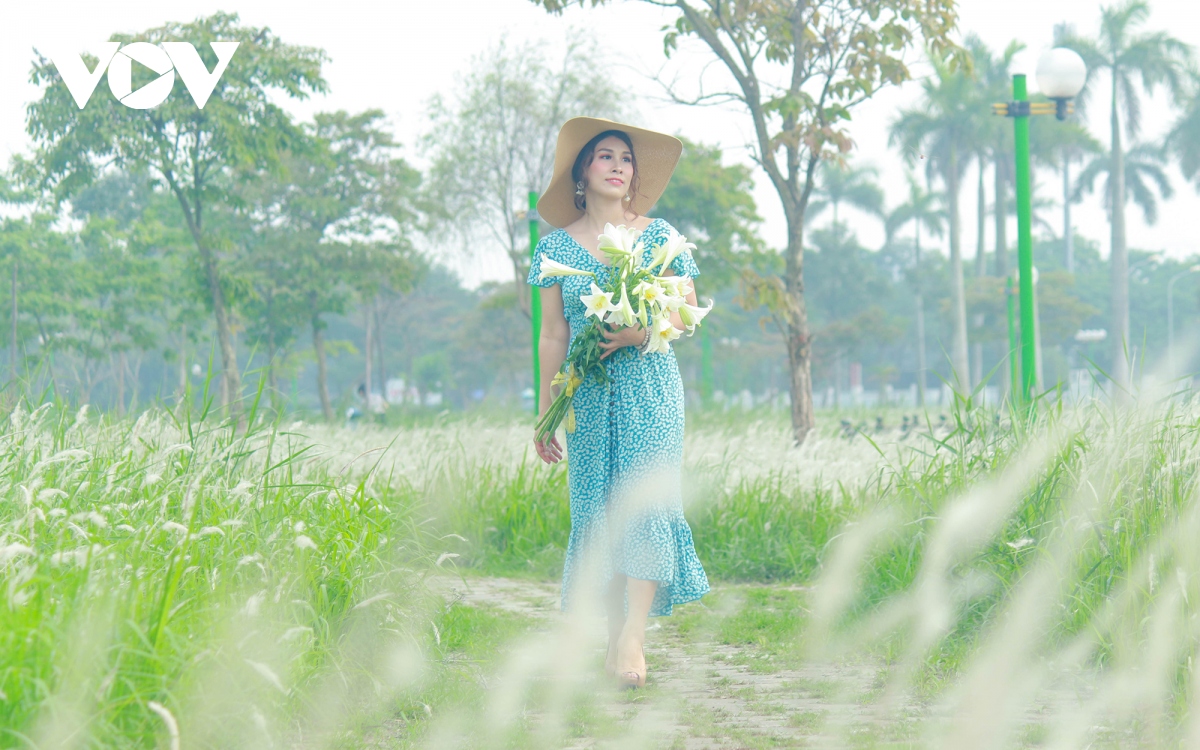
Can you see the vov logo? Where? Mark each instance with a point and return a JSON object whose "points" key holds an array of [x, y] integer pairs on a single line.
{"points": [[164, 59]]}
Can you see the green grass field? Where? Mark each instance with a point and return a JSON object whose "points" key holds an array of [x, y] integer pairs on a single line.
{"points": [[168, 582]]}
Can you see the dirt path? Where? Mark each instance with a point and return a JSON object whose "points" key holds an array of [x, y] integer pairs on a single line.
{"points": [[702, 693]]}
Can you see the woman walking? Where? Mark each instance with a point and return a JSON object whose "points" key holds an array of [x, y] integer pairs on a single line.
{"points": [[629, 543]]}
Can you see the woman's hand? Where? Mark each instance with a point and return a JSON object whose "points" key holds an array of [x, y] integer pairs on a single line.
{"points": [[550, 450], [621, 337]]}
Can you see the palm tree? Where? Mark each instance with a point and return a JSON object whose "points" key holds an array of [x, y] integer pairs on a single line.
{"points": [[855, 186], [944, 128], [994, 83], [1145, 174], [923, 208], [1058, 145], [1125, 54], [1184, 139]]}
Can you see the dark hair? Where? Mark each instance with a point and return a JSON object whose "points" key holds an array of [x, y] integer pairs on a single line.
{"points": [[584, 160]]}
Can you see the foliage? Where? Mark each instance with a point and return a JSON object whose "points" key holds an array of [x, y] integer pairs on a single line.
{"points": [[713, 205], [193, 152], [494, 144], [839, 55]]}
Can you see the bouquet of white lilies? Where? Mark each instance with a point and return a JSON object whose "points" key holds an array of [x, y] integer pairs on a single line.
{"points": [[634, 294]]}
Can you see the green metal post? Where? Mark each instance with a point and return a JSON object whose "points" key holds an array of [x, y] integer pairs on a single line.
{"points": [[706, 365], [1013, 354], [535, 300], [1025, 245]]}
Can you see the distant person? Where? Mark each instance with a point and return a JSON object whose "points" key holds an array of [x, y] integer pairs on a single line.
{"points": [[629, 543], [374, 403]]}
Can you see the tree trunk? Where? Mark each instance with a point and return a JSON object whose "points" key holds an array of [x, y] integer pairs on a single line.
{"points": [[1068, 233], [318, 338], [13, 344], [981, 224], [980, 267], [1001, 217], [959, 358], [367, 350], [920, 302], [272, 375], [1119, 335], [231, 379], [183, 373], [121, 382], [380, 363], [523, 289], [799, 345]]}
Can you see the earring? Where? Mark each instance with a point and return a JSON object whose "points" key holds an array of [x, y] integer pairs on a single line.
{"points": [[579, 188], [627, 198]]}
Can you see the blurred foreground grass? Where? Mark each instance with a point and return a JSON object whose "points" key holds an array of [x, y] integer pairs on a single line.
{"points": [[170, 582]]}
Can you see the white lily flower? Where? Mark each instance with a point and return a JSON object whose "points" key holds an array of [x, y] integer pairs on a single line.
{"points": [[661, 336], [619, 242], [598, 303], [554, 268], [671, 249], [691, 315], [650, 291], [677, 286], [622, 313], [671, 302]]}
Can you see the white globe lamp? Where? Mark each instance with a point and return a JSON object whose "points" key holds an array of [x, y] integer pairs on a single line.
{"points": [[1061, 74]]}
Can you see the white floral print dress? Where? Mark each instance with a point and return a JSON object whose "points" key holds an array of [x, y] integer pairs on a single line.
{"points": [[625, 456]]}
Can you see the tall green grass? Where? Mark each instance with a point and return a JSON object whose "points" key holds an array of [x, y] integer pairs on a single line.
{"points": [[172, 572]]}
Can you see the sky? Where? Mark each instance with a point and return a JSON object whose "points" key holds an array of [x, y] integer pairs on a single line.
{"points": [[396, 55]]}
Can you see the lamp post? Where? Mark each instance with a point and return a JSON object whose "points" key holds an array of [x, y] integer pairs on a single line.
{"points": [[1171, 314], [1061, 74]]}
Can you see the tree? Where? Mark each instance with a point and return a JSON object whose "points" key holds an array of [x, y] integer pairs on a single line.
{"points": [[346, 205], [1157, 59], [993, 77], [923, 208], [1058, 145], [943, 128], [843, 183], [192, 151], [799, 69], [1183, 140], [713, 205], [1145, 174], [495, 143]]}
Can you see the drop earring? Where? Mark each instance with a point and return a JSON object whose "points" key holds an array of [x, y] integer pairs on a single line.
{"points": [[627, 198], [579, 188]]}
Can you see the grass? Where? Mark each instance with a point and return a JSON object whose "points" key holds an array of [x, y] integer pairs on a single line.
{"points": [[268, 585]]}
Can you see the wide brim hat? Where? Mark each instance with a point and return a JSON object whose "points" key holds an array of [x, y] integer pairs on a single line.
{"points": [[656, 155]]}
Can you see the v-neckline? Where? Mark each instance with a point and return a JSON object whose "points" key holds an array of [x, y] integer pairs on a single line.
{"points": [[588, 253]]}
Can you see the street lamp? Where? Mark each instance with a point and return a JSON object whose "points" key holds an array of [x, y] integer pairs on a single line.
{"points": [[1171, 314], [1061, 74]]}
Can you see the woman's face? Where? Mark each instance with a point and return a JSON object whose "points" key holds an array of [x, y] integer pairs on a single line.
{"points": [[611, 169]]}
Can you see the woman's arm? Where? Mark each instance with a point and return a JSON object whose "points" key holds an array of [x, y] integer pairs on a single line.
{"points": [[553, 342]]}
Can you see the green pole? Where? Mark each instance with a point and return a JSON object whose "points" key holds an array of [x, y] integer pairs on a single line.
{"points": [[706, 365], [1024, 244], [535, 300], [1013, 355]]}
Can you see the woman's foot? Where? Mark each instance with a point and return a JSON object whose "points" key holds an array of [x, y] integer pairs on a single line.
{"points": [[610, 658], [631, 663]]}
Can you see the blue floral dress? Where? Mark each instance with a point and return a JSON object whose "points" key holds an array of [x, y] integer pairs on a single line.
{"points": [[624, 458]]}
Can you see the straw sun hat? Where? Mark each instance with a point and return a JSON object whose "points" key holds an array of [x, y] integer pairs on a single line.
{"points": [[656, 155]]}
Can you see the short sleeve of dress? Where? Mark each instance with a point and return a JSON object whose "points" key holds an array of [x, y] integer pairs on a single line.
{"points": [[685, 265], [544, 247]]}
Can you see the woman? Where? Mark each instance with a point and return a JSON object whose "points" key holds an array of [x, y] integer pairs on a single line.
{"points": [[629, 541]]}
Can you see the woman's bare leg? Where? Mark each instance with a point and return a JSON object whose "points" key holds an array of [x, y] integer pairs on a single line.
{"points": [[630, 657], [614, 605]]}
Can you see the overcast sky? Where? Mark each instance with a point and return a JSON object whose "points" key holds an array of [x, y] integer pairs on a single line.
{"points": [[395, 55]]}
